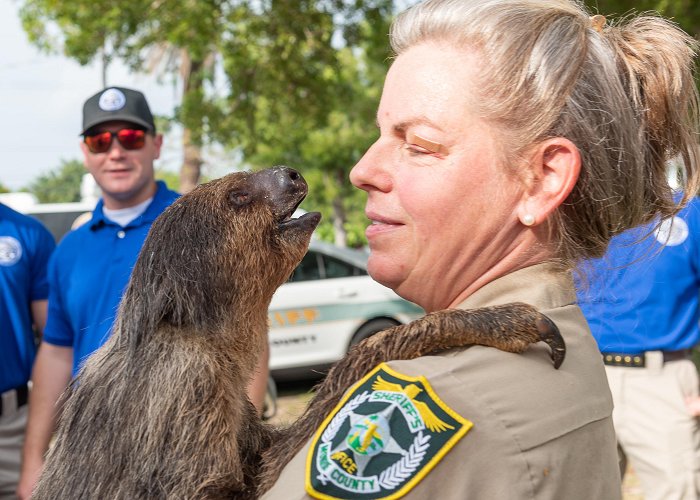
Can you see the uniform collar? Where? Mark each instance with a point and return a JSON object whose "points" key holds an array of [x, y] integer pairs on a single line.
{"points": [[153, 210], [546, 286]]}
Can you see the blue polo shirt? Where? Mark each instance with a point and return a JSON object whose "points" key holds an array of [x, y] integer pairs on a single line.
{"points": [[643, 295], [88, 274], [25, 248]]}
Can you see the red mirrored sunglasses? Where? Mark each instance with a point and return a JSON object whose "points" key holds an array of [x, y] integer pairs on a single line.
{"points": [[129, 138]]}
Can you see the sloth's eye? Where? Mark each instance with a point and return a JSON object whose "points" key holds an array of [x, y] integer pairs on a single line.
{"points": [[239, 198]]}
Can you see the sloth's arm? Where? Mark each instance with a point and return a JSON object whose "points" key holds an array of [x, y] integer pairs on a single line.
{"points": [[511, 327]]}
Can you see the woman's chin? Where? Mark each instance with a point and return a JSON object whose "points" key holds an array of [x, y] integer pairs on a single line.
{"points": [[389, 273], [383, 270]]}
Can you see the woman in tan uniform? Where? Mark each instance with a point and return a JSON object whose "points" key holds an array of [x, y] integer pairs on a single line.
{"points": [[516, 137]]}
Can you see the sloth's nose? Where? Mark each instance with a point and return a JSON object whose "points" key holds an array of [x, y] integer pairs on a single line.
{"points": [[287, 178]]}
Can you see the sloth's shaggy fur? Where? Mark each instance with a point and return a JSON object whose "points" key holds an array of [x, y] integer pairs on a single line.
{"points": [[160, 411]]}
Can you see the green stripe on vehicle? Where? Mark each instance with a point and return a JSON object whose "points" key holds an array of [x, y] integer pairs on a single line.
{"points": [[296, 316]]}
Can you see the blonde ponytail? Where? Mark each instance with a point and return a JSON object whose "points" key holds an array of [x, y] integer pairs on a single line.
{"points": [[623, 93], [656, 61]]}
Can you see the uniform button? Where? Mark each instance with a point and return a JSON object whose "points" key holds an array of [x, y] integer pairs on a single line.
{"points": [[121, 234]]}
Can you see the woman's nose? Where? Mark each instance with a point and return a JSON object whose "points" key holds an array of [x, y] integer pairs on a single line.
{"points": [[370, 171]]}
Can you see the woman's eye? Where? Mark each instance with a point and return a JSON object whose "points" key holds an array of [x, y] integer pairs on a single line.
{"points": [[414, 149], [421, 145]]}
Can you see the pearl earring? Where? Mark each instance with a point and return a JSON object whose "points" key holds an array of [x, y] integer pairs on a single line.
{"points": [[528, 219]]}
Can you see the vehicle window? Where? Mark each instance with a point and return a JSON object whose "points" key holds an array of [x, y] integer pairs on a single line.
{"points": [[308, 269], [335, 268]]}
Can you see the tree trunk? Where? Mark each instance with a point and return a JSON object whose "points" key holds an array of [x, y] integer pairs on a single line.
{"points": [[192, 88], [105, 63], [191, 163]]}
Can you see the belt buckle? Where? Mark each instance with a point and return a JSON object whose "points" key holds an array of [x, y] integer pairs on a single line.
{"points": [[8, 403], [654, 359]]}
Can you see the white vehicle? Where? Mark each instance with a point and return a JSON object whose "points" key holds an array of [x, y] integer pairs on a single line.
{"points": [[59, 218], [329, 304]]}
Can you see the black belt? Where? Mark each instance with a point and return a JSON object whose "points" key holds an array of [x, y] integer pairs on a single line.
{"points": [[639, 360], [21, 393]]}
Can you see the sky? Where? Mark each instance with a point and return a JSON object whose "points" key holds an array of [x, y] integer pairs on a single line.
{"points": [[41, 99]]}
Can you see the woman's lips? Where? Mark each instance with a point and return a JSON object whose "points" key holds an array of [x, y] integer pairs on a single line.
{"points": [[379, 225]]}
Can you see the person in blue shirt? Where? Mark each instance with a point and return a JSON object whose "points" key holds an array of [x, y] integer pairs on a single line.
{"points": [[25, 247], [91, 266], [641, 303]]}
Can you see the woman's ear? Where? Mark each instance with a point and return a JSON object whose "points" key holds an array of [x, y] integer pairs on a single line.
{"points": [[554, 166]]}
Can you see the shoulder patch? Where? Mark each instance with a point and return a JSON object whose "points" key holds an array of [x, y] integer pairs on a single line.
{"points": [[10, 251], [385, 435], [672, 232]]}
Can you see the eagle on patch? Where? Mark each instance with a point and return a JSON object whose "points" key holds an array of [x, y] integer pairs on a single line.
{"points": [[432, 422]]}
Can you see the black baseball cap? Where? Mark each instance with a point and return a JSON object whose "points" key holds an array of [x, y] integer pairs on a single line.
{"points": [[117, 103]]}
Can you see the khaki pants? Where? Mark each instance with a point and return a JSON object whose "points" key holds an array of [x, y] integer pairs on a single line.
{"points": [[654, 429], [12, 425]]}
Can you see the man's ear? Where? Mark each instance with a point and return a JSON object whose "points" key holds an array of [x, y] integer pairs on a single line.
{"points": [[157, 143], [554, 168], [86, 152]]}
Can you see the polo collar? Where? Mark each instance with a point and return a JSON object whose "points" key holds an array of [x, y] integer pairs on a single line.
{"points": [[153, 210]]}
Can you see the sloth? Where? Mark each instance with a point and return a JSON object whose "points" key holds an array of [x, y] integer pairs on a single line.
{"points": [[161, 411]]}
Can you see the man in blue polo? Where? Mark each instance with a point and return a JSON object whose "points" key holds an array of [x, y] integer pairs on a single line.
{"points": [[25, 247], [91, 266], [641, 302]]}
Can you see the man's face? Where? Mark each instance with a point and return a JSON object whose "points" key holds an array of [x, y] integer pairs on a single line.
{"points": [[126, 177]]}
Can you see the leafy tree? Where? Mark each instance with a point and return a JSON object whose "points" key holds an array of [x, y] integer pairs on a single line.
{"points": [[62, 185], [3, 188], [287, 42], [59, 185], [170, 178], [292, 71], [97, 28], [317, 115]]}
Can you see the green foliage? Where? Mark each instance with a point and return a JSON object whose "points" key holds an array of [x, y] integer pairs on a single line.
{"points": [[685, 12], [60, 185], [322, 124], [172, 179], [301, 79], [3, 188]]}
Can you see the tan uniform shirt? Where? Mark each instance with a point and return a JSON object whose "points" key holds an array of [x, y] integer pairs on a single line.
{"points": [[538, 432]]}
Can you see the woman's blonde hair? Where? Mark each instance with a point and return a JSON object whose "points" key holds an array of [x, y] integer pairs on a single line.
{"points": [[624, 94]]}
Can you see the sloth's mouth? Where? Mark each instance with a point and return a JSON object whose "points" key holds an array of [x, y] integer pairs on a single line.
{"points": [[307, 220]]}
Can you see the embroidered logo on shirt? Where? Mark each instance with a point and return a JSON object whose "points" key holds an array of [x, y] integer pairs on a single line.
{"points": [[386, 434], [672, 232], [10, 251]]}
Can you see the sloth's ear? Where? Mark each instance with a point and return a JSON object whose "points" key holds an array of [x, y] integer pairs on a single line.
{"points": [[239, 198]]}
